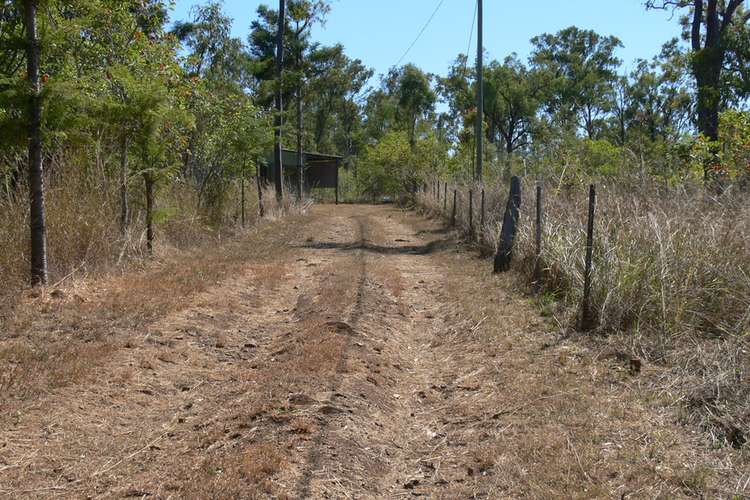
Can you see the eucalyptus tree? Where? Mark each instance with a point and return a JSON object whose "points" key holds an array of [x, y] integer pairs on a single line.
{"points": [[580, 70], [717, 31], [719, 38], [455, 89], [511, 103], [336, 85]]}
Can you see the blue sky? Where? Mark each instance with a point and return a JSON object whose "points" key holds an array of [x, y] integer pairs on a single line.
{"points": [[379, 31]]}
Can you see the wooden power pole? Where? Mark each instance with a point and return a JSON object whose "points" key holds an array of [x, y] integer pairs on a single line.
{"points": [[279, 121], [480, 95]]}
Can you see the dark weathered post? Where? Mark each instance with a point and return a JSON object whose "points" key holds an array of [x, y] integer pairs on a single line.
{"points": [[508, 232], [453, 215], [445, 196], [538, 253], [471, 212], [242, 197], [587, 319], [438, 192]]}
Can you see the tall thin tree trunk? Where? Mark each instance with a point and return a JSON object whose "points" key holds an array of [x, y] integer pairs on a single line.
{"points": [[279, 119], [124, 208], [36, 173], [242, 187], [300, 155], [149, 184]]}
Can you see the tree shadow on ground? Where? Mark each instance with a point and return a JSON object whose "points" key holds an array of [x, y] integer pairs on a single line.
{"points": [[431, 247]]}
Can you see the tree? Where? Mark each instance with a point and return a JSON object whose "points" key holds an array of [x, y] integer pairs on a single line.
{"points": [[712, 28], [580, 69], [709, 28], [336, 82], [511, 104], [36, 172], [455, 89]]}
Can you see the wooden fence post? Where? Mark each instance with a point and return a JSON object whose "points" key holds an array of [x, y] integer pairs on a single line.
{"points": [[587, 319], [438, 193], [453, 215], [508, 232], [445, 196], [471, 213], [538, 253]]}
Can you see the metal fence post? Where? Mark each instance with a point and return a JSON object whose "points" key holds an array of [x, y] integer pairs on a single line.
{"points": [[587, 319]]}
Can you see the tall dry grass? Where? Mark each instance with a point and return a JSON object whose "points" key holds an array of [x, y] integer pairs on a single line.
{"points": [[671, 278], [83, 231]]}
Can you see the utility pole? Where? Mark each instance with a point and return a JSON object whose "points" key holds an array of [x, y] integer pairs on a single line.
{"points": [[279, 121], [480, 95]]}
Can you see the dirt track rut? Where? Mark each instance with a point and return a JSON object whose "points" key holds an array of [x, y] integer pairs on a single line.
{"points": [[367, 356]]}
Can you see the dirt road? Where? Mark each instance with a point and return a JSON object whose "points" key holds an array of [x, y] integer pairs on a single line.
{"points": [[368, 356]]}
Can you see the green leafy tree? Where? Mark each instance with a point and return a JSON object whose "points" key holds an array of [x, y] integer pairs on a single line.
{"points": [[511, 104], [579, 69]]}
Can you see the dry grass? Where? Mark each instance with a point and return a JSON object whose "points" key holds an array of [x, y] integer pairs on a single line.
{"points": [[560, 415], [671, 282], [54, 337]]}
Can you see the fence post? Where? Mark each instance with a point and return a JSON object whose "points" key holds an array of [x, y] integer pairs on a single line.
{"points": [[508, 232], [445, 196], [471, 213], [453, 215], [587, 319], [538, 253], [438, 192]]}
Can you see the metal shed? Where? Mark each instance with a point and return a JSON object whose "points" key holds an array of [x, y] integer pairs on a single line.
{"points": [[321, 170]]}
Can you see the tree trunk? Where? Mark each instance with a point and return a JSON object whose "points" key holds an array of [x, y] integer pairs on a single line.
{"points": [[279, 119], [149, 184], [300, 156], [124, 208], [36, 173], [242, 188], [259, 182], [509, 158], [706, 65]]}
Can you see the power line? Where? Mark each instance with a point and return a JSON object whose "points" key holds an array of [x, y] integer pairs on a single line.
{"points": [[471, 35], [434, 12]]}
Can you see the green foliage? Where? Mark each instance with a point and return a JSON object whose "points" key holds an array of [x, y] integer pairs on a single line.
{"points": [[579, 69], [393, 165]]}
